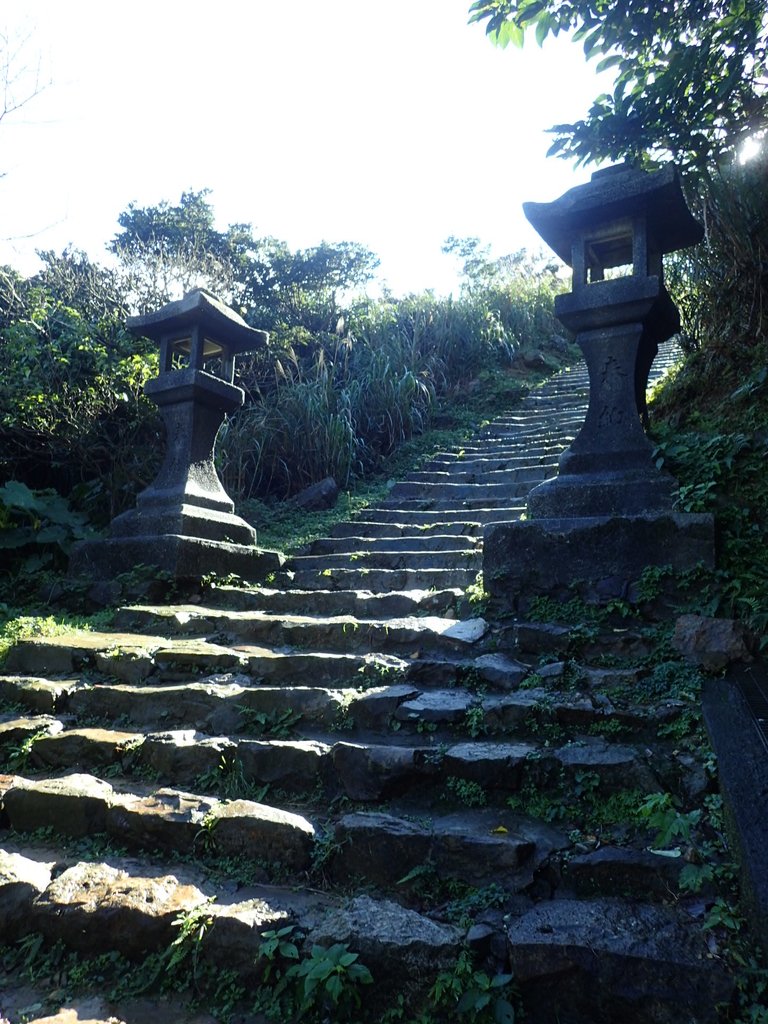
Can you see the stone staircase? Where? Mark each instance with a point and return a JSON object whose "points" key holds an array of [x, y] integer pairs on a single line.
{"points": [[354, 753]]}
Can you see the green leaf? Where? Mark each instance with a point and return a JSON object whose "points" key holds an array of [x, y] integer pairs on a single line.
{"points": [[468, 1001], [503, 1012], [543, 28], [508, 32], [609, 62], [334, 987], [15, 494], [531, 11]]}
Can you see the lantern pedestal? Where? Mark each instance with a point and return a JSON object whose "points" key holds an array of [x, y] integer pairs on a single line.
{"points": [[595, 558], [184, 522], [609, 467], [607, 516]]}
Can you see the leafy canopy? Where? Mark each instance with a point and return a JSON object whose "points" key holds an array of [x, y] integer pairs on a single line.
{"points": [[691, 75]]}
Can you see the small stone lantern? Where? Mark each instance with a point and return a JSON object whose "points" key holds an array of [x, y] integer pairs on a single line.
{"points": [[184, 522], [622, 219], [608, 515]]}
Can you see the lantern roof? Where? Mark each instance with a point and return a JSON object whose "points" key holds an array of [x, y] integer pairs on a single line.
{"points": [[203, 309], [617, 193]]}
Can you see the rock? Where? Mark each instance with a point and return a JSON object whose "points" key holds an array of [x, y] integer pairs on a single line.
{"points": [[619, 871], [35, 693], [370, 772], [552, 670], [495, 765], [543, 638], [93, 907], [396, 944], [14, 731], [617, 766], [167, 819], [711, 643], [21, 881], [81, 747], [75, 805], [184, 754], [319, 496], [443, 707], [234, 936], [601, 961], [501, 671], [278, 837], [290, 764], [380, 847]]}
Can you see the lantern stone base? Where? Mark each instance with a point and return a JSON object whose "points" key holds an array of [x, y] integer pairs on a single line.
{"points": [[595, 558], [183, 558]]}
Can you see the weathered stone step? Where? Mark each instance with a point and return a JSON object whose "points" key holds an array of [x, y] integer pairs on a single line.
{"points": [[464, 476], [435, 517], [364, 771], [431, 540], [331, 633], [457, 493], [538, 425], [489, 447], [452, 558], [471, 506], [96, 908], [377, 580], [614, 960], [362, 604], [474, 463], [371, 528], [210, 707], [168, 819], [476, 846]]}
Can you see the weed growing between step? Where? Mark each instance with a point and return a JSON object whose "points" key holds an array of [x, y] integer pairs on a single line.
{"points": [[290, 980]]}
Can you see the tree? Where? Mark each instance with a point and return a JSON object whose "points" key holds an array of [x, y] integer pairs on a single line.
{"points": [[306, 288], [691, 77], [20, 81], [165, 250]]}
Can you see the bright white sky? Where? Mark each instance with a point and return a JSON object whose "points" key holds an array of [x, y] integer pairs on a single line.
{"points": [[387, 122]]}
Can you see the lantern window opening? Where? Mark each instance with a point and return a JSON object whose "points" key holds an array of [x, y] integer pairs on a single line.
{"points": [[611, 251]]}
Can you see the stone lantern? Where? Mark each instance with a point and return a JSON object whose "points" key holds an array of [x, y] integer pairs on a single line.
{"points": [[184, 522], [623, 219], [608, 514]]}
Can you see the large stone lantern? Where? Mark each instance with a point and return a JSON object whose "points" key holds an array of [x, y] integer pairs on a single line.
{"points": [[623, 218], [608, 514], [184, 522]]}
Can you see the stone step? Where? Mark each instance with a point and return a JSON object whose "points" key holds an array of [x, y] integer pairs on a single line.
{"points": [[434, 518], [490, 447], [432, 540], [455, 558], [475, 846], [568, 956], [490, 478], [168, 819], [458, 493], [476, 463], [377, 580], [119, 906], [371, 528], [429, 633], [238, 765], [362, 604], [175, 660], [472, 506]]}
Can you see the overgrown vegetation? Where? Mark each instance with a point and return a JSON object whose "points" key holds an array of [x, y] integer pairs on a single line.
{"points": [[344, 381]]}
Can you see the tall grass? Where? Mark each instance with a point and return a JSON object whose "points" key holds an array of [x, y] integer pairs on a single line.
{"points": [[336, 407]]}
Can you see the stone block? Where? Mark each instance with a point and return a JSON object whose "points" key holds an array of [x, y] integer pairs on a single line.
{"points": [[596, 558]]}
